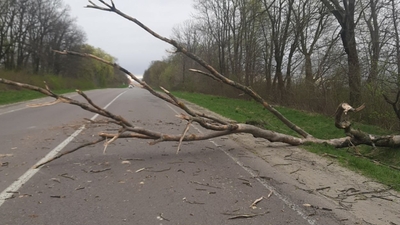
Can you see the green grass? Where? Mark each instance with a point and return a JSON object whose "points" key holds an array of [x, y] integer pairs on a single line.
{"points": [[58, 84], [317, 125], [12, 96]]}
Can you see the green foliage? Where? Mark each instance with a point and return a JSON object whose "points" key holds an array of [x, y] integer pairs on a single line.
{"points": [[99, 73], [319, 126], [153, 73]]}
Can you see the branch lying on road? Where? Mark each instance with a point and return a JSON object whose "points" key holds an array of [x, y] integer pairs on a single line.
{"points": [[216, 127], [213, 72]]}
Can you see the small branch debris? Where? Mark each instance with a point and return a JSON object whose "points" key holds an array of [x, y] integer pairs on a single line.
{"points": [[316, 207], [381, 197], [193, 202], [140, 170], [56, 180], [253, 205], [99, 171], [183, 135], [134, 159], [125, 162], [295, 171], [245, 216], [56, 196], [152, 171], [322, 188], [24, 195], [159, 171], [245, 181], [161, 217], [66, 176], [282, 164], [330, 155], [207, 184], [6, 155]]}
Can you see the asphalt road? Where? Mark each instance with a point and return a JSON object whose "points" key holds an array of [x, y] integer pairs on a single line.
{"points": [[208, 182]]}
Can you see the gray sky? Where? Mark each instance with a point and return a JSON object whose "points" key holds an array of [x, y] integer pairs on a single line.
{"points": [[132, 46]]}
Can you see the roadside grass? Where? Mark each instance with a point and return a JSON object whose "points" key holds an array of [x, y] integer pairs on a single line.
{"points": [[381, 164], [13, 96], [58, 84]]}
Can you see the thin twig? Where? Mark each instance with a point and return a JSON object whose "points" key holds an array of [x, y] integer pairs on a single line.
{"points": [[183, 135], [70, 151]]}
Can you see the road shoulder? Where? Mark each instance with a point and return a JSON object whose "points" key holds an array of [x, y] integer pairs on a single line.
{"points": [[368, 201]]}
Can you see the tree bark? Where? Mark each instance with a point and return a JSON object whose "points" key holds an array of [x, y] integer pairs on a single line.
{"points": [[345, 17]]}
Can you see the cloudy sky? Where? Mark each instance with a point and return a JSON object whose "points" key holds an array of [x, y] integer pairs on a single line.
{"points": [[132, 46]]}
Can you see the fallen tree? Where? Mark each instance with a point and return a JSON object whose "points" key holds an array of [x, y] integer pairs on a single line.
{"points": [[216, 127]]}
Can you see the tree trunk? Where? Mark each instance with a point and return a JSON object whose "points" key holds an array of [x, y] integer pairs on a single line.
{"points": [[345, 16]]}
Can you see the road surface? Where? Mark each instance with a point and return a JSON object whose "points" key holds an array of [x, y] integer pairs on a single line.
{"points": [[208, 182]]}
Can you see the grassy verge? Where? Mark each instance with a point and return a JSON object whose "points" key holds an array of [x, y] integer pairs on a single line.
{"points": [[58, 84], [12, 96], [376, 163]]}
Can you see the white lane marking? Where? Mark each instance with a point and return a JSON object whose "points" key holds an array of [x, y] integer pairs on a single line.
{"points": [[13, 110], [254, 174], [8, 192]]}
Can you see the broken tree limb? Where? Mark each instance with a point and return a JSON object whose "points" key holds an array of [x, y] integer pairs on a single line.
{"points": [[213, 72], [216, 127], [68, 152], [395, 104]]}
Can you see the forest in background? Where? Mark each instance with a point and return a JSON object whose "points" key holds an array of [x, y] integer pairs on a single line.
{"points": [[30, 30], [310, 55]]}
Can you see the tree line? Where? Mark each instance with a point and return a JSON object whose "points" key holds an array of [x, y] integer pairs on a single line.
{"points": [[30, 30], [307, 54]]}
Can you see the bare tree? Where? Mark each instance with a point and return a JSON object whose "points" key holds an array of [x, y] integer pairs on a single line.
{"points": [[345, 15], [216, 127], [279, 13]]}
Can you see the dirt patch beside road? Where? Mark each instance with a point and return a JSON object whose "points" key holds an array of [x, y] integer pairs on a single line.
{"points": [[369, 201]]}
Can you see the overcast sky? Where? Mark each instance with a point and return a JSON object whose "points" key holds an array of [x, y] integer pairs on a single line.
{"points": [[132, 46]]}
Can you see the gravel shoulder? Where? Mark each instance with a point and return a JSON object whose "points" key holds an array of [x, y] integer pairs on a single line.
{"points": [[368, 201]]}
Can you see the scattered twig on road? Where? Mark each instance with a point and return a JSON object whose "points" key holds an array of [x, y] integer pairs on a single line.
{"points": [[207, 184], [316, 207], [382, 197], [56, 196], [322, 188], [56, 180], [282, 164], [140, 170], [245, 216], [99, 171], [66, 176], [6, 155], [254, 204], [79, 188], [158, 171], [70, 151], [369, 192], [183, 135], [134, 159], [246, 182], [161, 217], [193, 202], [295, 170]]}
